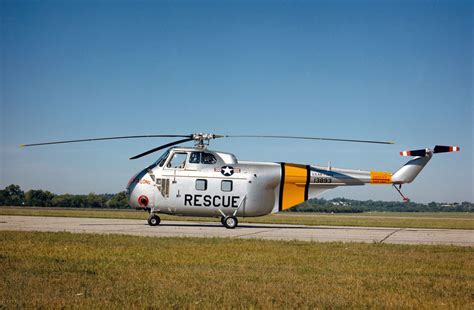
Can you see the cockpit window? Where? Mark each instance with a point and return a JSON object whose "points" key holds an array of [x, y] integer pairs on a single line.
{"points": [[162, 159], [178, 161], [203, 158]]}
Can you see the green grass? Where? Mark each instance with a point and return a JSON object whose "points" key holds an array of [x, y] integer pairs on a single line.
{"points": [[56, 270], [444, 220]]}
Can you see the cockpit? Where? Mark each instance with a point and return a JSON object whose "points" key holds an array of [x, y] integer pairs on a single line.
{"points": [[202, 158], [179, 158]]}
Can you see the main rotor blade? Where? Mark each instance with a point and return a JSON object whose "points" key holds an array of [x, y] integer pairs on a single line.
{"points": [[311, 138], [107, 138], [161, 147]]}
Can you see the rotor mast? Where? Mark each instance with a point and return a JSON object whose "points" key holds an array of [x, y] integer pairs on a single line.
{"points": [[201, 140]]}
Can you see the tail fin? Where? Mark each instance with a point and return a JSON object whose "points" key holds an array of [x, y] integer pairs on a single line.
{"points": [[411, 169]]}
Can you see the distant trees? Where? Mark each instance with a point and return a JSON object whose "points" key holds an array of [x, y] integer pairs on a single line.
{"points": [[344, 205], [12, 195], [38, 198], [118, 201]]}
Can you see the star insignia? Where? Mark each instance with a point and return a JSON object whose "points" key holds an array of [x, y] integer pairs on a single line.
{"points": [[227, 171]]}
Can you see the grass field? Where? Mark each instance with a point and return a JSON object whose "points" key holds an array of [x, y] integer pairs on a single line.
{"points": [[56, 270], [374, 219]]}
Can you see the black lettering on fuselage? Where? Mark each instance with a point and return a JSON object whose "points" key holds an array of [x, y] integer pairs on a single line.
{"points": [[226, 201], [234, 201], [196, 200], [208, 200], [187, 199]]}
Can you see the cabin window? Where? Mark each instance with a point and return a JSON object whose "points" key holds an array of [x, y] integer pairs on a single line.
{"points": [[203, 158], [207, 158], [195, 158], [226, 186], [201, 184], [178, 161]]}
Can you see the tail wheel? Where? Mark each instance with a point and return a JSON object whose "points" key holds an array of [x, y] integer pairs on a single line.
{"points": [[154, 220], [230, 222]]}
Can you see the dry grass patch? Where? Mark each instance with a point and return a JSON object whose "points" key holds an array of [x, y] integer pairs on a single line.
{"points": [[54, 270]]}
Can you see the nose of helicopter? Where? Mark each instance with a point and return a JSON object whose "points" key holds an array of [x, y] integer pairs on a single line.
{"points": [[129, 191], [139, 191], [132, 191]]}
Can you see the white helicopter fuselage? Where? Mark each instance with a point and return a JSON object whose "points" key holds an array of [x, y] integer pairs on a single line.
{"points": [[201, 182]]}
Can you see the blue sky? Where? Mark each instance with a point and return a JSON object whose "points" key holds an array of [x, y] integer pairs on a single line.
{"points": [[381, 70]]}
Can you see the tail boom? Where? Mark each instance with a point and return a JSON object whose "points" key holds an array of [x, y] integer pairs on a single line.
{"points": [[299, 183]]}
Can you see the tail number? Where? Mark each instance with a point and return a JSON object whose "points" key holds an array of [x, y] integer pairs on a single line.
{"points": [[322, 180]]}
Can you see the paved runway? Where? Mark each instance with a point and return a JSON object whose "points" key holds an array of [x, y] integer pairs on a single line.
{"points": [[254, 231]]}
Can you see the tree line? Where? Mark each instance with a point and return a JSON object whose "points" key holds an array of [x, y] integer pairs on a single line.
{"points": [[344, 205], [13, 195]]}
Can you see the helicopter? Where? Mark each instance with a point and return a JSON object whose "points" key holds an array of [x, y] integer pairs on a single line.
{"points": [[197, 181]]}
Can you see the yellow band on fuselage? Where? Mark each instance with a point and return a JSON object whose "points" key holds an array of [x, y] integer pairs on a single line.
{"points": [[294, 185]]}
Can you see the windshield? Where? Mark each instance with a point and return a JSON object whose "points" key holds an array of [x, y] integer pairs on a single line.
{"points": [[162, 159]]}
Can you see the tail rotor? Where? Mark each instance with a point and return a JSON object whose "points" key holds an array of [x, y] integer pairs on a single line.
{"points": [[412, 168], [429, 152]]}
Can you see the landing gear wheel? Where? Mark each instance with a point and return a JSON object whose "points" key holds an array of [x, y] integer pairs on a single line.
{"points": [[230, 222], [154, 220]]}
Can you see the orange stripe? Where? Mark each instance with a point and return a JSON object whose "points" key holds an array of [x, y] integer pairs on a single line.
{"points": [[294, 194], [380, 177]]}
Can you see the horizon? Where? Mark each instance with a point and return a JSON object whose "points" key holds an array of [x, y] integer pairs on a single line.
{"points": [[316, 198]]}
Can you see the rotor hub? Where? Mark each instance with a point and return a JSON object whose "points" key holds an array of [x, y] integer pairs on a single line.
{"points": [[201, 140]]}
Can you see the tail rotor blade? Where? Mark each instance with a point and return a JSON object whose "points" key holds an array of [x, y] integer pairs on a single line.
{"points": [[437, 149], [414, 153], [446, 149]]}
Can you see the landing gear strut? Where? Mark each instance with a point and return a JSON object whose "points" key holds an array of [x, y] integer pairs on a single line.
{"points": [[230, 221], [405, 199]]}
